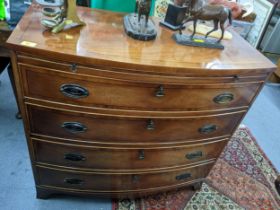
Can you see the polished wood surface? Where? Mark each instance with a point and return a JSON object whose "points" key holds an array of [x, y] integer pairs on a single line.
{"points": [[177, 77], [108, 115], [113, 182], [109, 92], [128, 130], [104, 41], [103, 158]]}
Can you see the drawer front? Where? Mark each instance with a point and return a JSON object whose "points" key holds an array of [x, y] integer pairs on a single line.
{"points": [[73, 155], [66, 124], [117, 182], [100, 92]]}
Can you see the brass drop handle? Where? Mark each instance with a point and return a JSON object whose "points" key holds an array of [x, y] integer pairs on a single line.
{"points": [[74, 91], [194, 155], [206, 129], [224, 98], [74, 127], [183, 176], [150, 125], [141, 155], [73, 181], [160, 91], [74, 157]]}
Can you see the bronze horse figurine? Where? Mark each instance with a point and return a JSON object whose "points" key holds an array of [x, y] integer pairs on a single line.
{"points": [[143, 7], [199, 11]]}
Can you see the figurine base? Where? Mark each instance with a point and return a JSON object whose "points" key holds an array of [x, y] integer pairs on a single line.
{"points": [[174, 17], [172, 27], [197, 41], [138, 30]]}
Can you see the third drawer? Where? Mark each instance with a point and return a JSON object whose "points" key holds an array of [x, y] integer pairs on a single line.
{"points": [[96, 158]]}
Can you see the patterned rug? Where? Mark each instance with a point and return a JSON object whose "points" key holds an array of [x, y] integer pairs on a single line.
{"points": [[242, 178]]}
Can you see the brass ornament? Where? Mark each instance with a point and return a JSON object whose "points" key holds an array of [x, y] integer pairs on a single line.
{"points": [[59, 16]]}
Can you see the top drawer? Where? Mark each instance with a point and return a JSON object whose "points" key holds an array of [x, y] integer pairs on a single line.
{"points": [[96, 91]]}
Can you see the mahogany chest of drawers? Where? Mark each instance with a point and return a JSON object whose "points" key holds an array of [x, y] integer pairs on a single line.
{"points": [[108, 115]]}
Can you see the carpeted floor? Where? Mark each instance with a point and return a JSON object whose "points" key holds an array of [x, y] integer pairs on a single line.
{"points": [[242, 178]]}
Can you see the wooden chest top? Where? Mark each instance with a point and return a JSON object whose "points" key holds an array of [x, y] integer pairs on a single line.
{"points": [[103, 42]]}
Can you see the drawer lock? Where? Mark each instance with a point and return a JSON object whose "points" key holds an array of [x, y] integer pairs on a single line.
{"points": [[73, 67], [150, 125], [141, 155], [160, 92], [135, 179]]}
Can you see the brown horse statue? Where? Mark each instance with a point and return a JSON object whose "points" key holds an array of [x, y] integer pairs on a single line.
{"points": [[199, 11], [143, 7]]}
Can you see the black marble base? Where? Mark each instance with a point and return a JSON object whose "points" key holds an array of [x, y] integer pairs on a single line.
{"points": [[174, 17], [197, 41], [172, 27], [138, 30]]}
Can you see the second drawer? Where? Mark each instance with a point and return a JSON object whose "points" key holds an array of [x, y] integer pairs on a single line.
{"points": [[110, 130], [101, 158]]}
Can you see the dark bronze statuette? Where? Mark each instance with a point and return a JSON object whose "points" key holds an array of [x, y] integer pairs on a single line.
{"points": [[200, 10], [138, 25]]}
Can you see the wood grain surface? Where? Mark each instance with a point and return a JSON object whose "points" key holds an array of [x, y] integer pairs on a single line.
{"points": [[103, 42], [108, 115], [120, 182], [130, 130], [90, 157]]}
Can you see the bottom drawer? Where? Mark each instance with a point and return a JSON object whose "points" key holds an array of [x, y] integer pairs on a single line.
{"points": [[115, 182]]}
